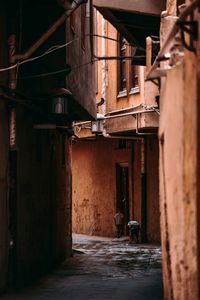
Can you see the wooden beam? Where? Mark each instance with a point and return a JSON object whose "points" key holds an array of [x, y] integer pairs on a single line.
{"points": [[119, 26], [149, 7]]}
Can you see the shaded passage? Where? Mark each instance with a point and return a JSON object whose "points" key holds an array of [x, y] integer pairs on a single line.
{"points": [[102, 268]]}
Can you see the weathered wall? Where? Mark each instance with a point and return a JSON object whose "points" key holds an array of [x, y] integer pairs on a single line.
{"points": [[178, 180], [90, 185], [144, 94], [3, 155], [3, 195], [179, 173], [94, 185], [41, 208], [40, 219], [81, 80]]}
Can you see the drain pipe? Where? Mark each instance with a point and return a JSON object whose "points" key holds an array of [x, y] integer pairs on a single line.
{"points": [[104, 76], [120, 137], [123, 109], [137, 128]]}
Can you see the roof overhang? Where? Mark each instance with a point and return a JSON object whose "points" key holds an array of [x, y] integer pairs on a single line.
{"points": [[134, 19]]}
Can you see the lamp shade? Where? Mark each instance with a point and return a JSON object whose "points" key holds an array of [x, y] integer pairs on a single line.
{"points": [[97, 126], [59, 105], [60, 101]]}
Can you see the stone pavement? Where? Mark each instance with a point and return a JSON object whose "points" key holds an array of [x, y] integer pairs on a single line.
{"points": [[101, 269]]}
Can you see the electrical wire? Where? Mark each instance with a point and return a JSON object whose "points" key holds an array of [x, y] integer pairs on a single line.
{"points": [[50, 50], [9, 68], [56, 72]]}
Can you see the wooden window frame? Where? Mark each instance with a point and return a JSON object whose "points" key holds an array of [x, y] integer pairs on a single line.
{"points": [[121, 68], [133, 79]]}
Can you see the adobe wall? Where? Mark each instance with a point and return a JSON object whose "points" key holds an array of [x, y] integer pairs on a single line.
{"points": [[94, 185], [179, 174], [178, 180]]}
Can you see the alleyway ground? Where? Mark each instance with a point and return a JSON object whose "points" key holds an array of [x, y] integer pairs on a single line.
{"points": [[101, 269]]}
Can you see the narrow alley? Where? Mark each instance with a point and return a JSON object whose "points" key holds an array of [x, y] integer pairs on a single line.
{"points": [[101, 268], [99, 139]]}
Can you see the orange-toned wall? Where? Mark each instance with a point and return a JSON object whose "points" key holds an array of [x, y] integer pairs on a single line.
{"points": [[145, 94], [94, 185], [94, 162]]}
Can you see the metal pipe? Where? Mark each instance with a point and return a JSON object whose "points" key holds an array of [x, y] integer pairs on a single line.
{"points": [[115, 57], [130, 114], [81, 123], [40, 41], [48, 33], [136, 113], [120, 137], [141, 133], [49, 126], [120, 115], [123, 109], [171, 35]]}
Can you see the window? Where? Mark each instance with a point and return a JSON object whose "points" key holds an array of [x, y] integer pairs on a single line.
{"points": [[127, 73], [133, 76], [122, 66]]}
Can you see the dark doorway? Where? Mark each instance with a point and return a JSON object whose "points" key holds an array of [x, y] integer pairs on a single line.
{"points": [[122, 192]]}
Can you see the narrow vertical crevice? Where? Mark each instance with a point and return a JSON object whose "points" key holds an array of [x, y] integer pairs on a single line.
{"points": [[132, 180], [165, 218], [198, 180], [144, 192]]}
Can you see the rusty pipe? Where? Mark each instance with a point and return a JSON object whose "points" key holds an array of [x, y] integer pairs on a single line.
{"points": [[40, 41], [120, 137], [47, 34]]}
